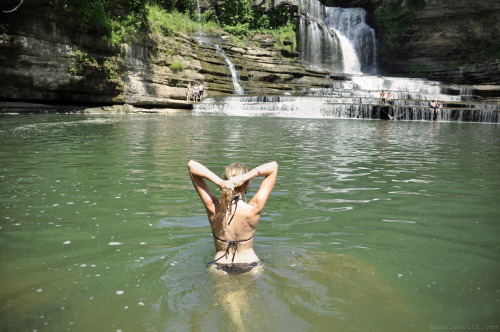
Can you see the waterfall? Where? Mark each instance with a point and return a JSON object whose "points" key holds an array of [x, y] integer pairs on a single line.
{"points": [[237, 87], [333, 107], [319, 46], [351, 23], [357, 97], [204, 40], [336, 38], [349, 56], [198, 12]]}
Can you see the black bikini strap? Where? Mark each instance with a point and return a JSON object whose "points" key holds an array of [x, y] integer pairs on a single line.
{"points": [[234, 244], [234, 200], [236, 241]]}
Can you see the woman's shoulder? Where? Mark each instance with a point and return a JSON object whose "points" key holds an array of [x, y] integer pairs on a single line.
{"points": [[246, 209]]}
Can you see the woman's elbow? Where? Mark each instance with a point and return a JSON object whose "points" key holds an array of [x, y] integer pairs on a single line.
{"points": [[274, 165], [191, 164]]}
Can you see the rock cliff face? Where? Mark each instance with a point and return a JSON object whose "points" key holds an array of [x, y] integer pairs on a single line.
{"points": [[47, 57]]}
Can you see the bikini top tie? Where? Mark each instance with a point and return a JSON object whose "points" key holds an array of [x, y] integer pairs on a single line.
{"points": [[230, 244]]}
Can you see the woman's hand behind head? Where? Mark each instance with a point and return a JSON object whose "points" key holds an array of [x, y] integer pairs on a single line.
{"points": [[227, 184], [238, 180]]}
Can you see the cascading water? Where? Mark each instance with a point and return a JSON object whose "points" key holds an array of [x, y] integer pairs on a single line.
{"points": [[338, 39], [238, 90], [202, 39], [349, 56], [319, 46], [351, 23]]}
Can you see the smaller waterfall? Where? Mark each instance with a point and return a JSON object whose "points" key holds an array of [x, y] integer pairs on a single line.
{"points": [[198, 12], [204, 40], [237, 87]]}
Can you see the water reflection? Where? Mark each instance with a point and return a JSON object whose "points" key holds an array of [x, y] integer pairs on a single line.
{"points": [[304, 289]]}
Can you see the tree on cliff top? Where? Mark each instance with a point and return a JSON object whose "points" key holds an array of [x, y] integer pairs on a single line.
{"points": [[121, 18], [118, 17]]}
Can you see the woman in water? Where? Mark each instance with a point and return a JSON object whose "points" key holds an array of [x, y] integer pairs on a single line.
{"points": [[233, 221]]}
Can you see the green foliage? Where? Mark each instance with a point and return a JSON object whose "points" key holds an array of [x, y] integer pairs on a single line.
{"points": [[235, 12], [164, 23], [238, 19], [396, 17], [177, 66], [278, 18], [82, 60], [112, 69], [239, 30], [119, 18], [286, 36], [179, 5], [86, 64]]}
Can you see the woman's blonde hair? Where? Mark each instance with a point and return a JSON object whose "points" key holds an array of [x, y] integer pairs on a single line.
{"points": [[221, 218], [235, 169]]}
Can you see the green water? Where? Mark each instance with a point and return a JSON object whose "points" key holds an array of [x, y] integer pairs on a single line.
{"points": [[372, 226]]}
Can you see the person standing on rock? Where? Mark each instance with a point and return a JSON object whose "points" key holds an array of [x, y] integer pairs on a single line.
{"points": [[389, 97], [196, 93], [201, 92], [382, 97], [188, 92]]}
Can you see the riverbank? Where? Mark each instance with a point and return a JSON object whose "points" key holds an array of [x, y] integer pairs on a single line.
{"points": [[14, 108]]}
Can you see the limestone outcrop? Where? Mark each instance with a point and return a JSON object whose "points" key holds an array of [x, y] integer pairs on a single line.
{"points": [[49, 57]]}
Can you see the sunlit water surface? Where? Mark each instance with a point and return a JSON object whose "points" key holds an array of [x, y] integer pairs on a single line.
{"points": [[372, 226]]}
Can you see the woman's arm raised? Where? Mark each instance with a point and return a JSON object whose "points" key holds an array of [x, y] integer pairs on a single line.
{"points": [[198, 174], [270, 172]]}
